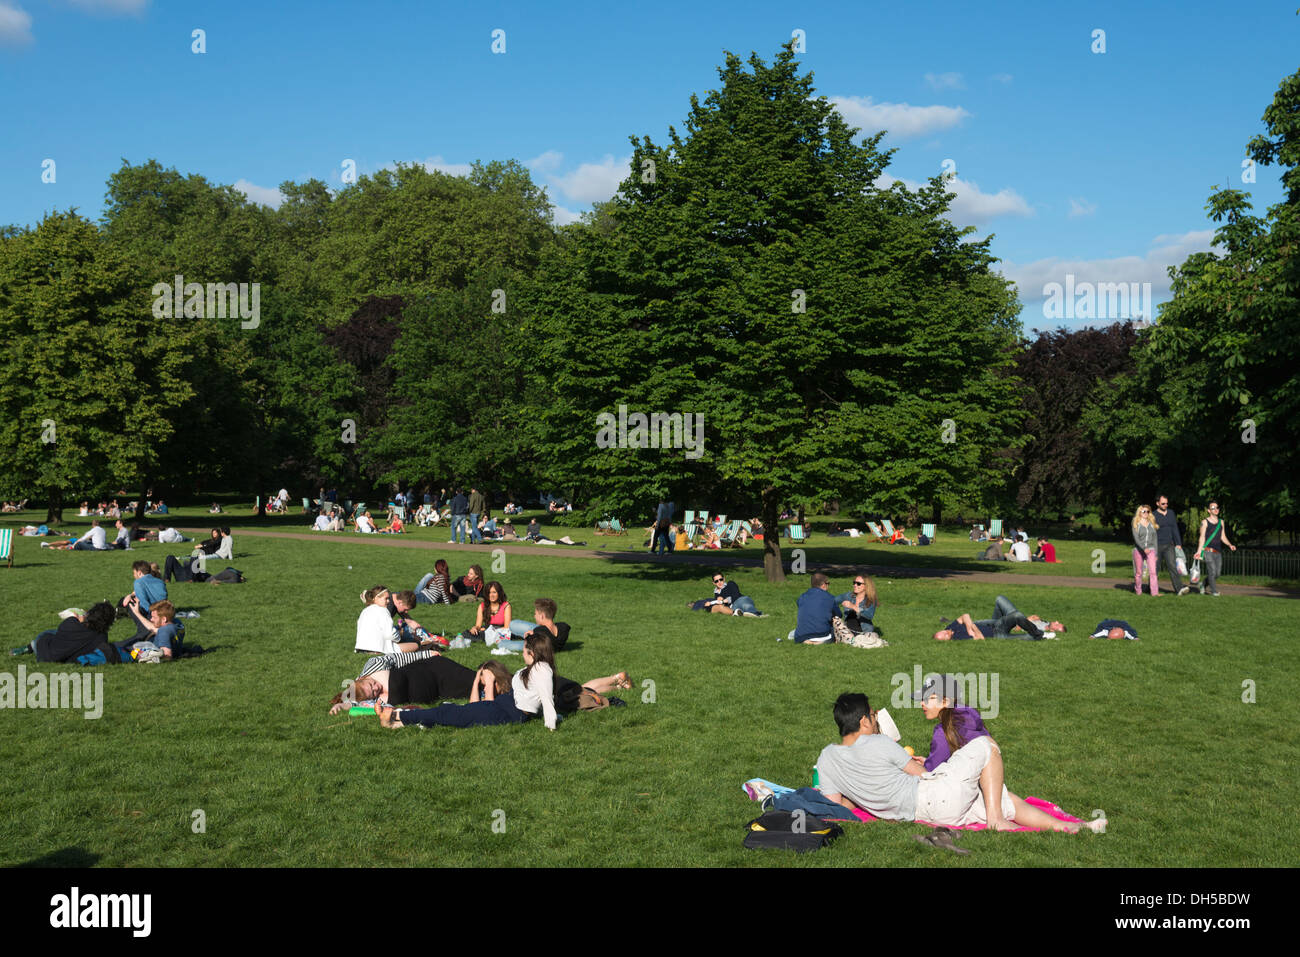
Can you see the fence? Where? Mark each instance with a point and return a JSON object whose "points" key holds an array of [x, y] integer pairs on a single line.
{"points": [[1260, 563]]}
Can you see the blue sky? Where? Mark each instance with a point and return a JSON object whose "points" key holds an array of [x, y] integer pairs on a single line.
{"points": [[1095, 165]]}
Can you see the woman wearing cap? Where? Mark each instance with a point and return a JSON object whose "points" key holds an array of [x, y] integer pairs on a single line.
{"points": [[957, 726], [1144, 549]]}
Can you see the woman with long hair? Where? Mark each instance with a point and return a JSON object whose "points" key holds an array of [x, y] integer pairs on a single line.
{"points": [[1144, 549], [492, 621], [376, 632], [435, 587], [859, 603]]}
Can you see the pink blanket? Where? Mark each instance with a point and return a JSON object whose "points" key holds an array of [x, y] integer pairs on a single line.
{"points": [[1039, 803]]}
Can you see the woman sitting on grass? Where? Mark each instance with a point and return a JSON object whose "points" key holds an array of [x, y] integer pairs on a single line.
{"points": [[534, 690], [435, 587], [492, 620], [376, 632], [859, 605], [469, 586]]}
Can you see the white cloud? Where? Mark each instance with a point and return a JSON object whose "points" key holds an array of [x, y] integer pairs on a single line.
{"points": [[971, 206], [547, 162], [563, 216], [593, 182], [1002, 77], [900, 119], [260, 194], [15, 26], [945, 81], [1166, 250], [1081, 207], [442, 166], [111, 6]]}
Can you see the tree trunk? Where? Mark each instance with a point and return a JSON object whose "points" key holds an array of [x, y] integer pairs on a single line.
{"points": [[772, 566], [140, 505], [54, 506], [936, 515]]}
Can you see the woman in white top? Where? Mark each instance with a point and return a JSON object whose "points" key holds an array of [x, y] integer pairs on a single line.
{"points": [[532, 691], [364, 523], [376, 632]]}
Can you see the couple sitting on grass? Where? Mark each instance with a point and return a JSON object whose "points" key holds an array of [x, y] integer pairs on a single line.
{"points": [[847, 618], [495, 697], [961, 784]]}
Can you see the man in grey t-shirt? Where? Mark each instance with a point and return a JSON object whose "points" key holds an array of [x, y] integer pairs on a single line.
{"points": [[880, 777]]}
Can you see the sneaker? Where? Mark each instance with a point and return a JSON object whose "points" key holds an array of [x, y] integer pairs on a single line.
{"points": [[751, 614], [1049, 636], [24, 650], [1183, 591], [1215, 593], [1201, 589], [149, 657]]}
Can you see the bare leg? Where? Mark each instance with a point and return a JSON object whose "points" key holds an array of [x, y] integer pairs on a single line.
{"points": [[603, 686], [720, 610], [991, 782], [1029, 816]]}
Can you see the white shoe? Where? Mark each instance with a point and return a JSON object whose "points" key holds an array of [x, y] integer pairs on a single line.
{"points": [[1049, 636]]}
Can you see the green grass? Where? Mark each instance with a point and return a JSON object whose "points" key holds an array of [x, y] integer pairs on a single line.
{"points": [[1155, 732]]}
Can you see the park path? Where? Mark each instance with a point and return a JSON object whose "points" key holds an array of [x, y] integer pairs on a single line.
{"points": [[733, 559]]}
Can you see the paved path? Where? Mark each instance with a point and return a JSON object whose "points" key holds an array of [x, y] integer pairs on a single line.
{"points": [[745, 559]]}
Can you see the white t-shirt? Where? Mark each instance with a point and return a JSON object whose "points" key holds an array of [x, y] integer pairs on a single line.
{"points": [[284, 495], [322, 523], [539, 696], [375, 631], [365, 525], [869, 772], [98, 538], [170, 536], [1019, 552]]}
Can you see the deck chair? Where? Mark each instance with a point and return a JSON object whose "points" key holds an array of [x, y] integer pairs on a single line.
{"points": [[928, 531], [722, 519], [257, 504], [727, 537], [306, 505], [692, 531], [888, 526], [400, 511], [995, 528], [602, 528], [616, 527], [876, 532], [690, 517], [7, 546], [796, 533]]}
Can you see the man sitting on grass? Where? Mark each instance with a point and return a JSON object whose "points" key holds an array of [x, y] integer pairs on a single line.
{"points": [[1006, 619], [544, 611], [813, 625], [165, 634], [993, 553], [867, 770]]}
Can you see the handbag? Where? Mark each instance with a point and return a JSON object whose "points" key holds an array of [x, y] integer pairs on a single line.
{"points": [[1196, 572], [1180, 559]]}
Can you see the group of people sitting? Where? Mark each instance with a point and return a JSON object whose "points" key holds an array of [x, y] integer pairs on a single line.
{"points": [[82, 635], [217, 546], [1019, 551], [95, 538], [962, 782]]}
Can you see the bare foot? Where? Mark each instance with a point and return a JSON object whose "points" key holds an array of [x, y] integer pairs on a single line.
{"points": [[624, 682], [1002, 824], [386, 716], [1097, 825]]}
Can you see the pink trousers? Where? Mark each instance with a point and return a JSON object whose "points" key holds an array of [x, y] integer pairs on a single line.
{"points": [[1149, 557]]}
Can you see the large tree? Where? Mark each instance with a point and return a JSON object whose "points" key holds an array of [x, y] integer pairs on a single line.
{"points": [[90, 381], [832, 334]]}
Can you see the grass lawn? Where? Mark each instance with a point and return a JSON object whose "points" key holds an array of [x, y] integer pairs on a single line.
{"points": [[1155, 733]]}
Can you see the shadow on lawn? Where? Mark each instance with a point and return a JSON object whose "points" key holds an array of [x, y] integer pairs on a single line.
{"points": [[64, 857]]}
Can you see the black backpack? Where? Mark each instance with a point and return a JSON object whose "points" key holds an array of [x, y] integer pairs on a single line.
{"points": [[790, 830], [228, 576]]}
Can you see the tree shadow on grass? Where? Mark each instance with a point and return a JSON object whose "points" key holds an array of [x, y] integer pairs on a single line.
{"points": [[64, 857]]}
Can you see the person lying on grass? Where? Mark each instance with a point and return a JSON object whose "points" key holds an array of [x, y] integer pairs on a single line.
{"points": [[408, 629], [534, 689], [867, 770], [165, 633], [1005, 621], [421, 676]]}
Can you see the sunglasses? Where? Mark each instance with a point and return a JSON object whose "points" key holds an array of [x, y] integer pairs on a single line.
{"points": [[859, 583], [717, 580]]}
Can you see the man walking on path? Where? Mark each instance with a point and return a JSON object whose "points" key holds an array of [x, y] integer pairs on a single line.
{"points": [[1167, 539], [459, 506], [663, 521], [477, 506], [1211, 546]]}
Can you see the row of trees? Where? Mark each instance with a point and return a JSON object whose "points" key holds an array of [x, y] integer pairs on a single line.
{"points": [[831, 339]]}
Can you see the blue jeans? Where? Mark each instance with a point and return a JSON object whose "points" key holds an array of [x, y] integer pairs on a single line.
{"points": [[500, 710], [519, 627], [86, 546], [475, 536], [744, 604], [1005, 617], [457, 523]]}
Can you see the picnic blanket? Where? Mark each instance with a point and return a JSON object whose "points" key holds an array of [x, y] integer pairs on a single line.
{"points": [[812, 801]]}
